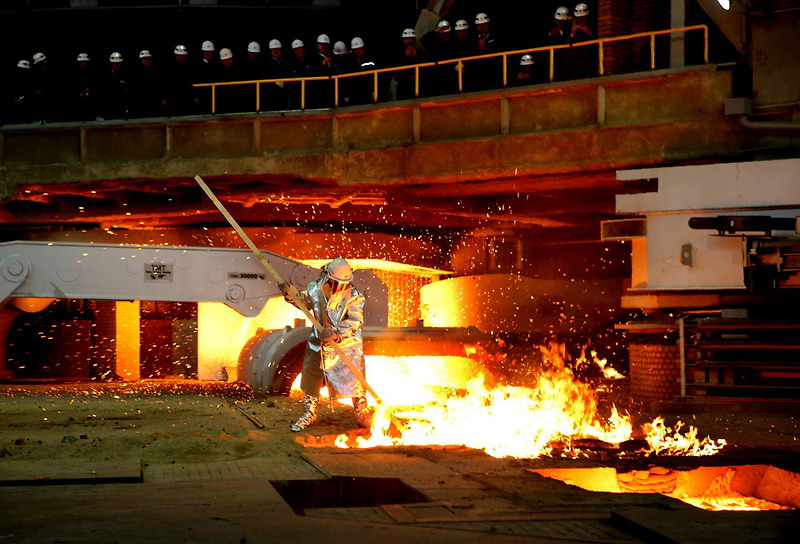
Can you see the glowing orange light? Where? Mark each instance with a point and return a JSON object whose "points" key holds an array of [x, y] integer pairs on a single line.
{"points": [[222, 333], [505, 421]]}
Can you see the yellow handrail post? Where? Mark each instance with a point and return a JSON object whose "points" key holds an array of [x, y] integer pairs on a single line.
{"points": [[213, 99], [652, 51], [375, 87], [335, 91], [505, 70], [552, 60], [460, 70], [258, 96], [416, 81], [600, 57], [705, 44], [303, 94]]}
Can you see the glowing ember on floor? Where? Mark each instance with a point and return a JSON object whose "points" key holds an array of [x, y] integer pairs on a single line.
{"points": [[547, 418], [740, 488]]}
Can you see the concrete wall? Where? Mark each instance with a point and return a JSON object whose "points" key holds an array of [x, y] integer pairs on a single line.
{"points": [[605, 123]]}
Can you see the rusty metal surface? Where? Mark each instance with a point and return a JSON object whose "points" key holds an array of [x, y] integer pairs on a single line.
{"points": [[77, 472], [240, 469], [565, 530]]}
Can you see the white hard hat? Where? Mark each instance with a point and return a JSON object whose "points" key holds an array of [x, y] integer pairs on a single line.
{"points": [[461, 24], [26, 64], [443, 26], [481, 18], [581, 10], [181, 50], [144, 54], [339, 270], [339, 48], [254, 47], [526, 60], [115, 57], [298, 43], [562, 14], [275, 44], [323, 38], [83, 57], [225, 53], [39, 57], [208, 45], [356, 43], [409, 33]]}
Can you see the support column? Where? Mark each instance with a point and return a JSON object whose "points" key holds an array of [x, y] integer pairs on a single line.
{"points": [[128, 358], [677, 45], [6, 319]]}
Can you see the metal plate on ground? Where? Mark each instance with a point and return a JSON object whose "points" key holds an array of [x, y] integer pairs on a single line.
{"points": [[385, 513], [556, 527], [561, 530], [370, 464], [240, 469], [70, 472], [372, 514]]}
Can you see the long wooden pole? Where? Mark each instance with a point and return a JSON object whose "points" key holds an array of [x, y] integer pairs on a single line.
{"points": [[293, 294]]}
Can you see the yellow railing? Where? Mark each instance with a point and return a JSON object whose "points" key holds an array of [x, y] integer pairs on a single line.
{"points": [[551, 49]]}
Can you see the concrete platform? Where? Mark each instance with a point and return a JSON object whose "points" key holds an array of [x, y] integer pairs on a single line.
{"points": [[472, 498], [188, 467]]}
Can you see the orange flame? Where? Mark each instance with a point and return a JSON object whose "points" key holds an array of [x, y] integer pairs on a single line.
{"points": [[664, 441], [508, 421]]}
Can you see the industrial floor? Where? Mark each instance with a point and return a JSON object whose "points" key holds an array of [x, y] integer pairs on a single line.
{"points": [[447, 494]]}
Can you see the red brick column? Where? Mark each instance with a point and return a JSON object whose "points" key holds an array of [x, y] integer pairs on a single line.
{"points": [[619, 18], [654, 371], [104, 334]]}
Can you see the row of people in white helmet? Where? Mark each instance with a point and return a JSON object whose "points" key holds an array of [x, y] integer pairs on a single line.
{"points": [[339, 47], [177, 75], [300, 62]]}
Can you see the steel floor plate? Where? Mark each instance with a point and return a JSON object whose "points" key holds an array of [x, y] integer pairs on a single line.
{"points": [[241, 469]]}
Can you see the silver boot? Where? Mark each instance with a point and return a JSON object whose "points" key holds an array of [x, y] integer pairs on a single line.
{"points": [[310, 404], [362, 412]]}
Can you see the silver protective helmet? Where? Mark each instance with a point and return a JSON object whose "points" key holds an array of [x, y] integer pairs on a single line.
{"points": [[339, 270]]}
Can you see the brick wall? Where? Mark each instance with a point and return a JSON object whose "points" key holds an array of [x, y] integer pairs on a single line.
{"points": [[404, 302], [621, 17], [654, 371], [104, 333]]}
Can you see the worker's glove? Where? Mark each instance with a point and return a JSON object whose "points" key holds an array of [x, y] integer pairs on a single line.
{"points": [[329, 336]]}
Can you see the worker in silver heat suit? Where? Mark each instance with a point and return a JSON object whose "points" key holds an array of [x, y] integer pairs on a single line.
{"points": [[339, 307]]}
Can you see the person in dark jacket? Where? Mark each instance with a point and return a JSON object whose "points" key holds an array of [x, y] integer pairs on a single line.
{"points": [[276, 94], [182, 97], [18, 97], [46, 104], [147, 88], [440, 45], [83, 88], [409, 54], [115, 89], [488, 72]]}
